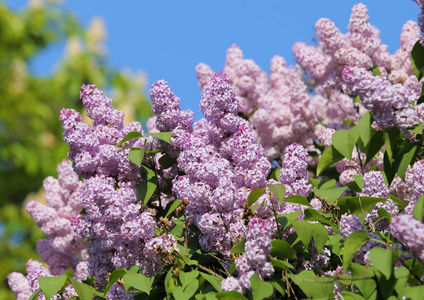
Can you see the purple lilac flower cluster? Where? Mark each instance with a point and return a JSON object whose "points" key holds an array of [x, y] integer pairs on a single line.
{"points": [[410, 232], [279, 105], [254, 260], [63, 249], [221, 164], [117, 229], [391, 103]]}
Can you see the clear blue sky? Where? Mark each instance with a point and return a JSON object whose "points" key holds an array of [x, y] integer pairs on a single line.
{"points": [[168, 38]]}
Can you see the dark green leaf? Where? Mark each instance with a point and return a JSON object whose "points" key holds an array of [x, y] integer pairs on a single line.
{"points": [[417, 212], [130, 136], [365, 286], [172, 206], [298, 200], [279, 190], [230, 295], [164, 136], [382, 213], [344, 141], [328, 157], [260, 289], [397, 201], [375, 144], [356, 205], [406, 161], [215, 281], [402, 275], [167, 161], [51, 285], [275, 174], [417, 60], [351, 245], [254, 195], [282, 249], [239, 247], [313, 215], [185, 293], [138, 281], [279, 287]]}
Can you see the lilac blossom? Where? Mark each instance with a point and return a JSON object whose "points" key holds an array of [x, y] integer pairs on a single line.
{"points": [[410, 232]]}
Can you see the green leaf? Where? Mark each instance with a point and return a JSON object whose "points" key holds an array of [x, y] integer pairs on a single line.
{"points": [[138, 281], [313, 286], [215, 281], [275, 174], [187, 277], [172, 206], [177, 230], [297, 200], [304, 231], [281, 264], [230, 295], [359, 181], [239, 247], [351, 296], [417, 212], [364, 127], [167, 161], [313, 215], [397, 201], [84, 291], [351, 245], [374, 145], [279, 190], [136, 156], [164, 136], [344, 141], [148, 185], [282, 249], [375, 71], [187, 292], [260, 289], [382, 213], [417, 60], [406, 161], [402, 275], [420, 100], [254, 195], [356, 205], [51, 285], [130, 136], [365, 286], [331, 194], [328, 157], [414, 292], [116, 274], [382, 260], [419, 128], [34, 295], [320, 236], [278, 286]]}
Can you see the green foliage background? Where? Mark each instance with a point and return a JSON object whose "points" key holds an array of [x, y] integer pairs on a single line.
{"points": [[31, 142]]}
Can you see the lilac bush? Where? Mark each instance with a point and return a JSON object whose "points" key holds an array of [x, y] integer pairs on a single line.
{"points": [[304, 183]]}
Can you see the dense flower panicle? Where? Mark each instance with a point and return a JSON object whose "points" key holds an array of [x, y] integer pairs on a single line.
{"points": [[117, 291], [417, 185], [20, 286], [374, 186], [63, 246], [388, 101], [421, 16], [221, 163], [410, 232], [254, 260]]}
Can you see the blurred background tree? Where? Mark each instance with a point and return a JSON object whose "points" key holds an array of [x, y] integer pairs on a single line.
{"points": [[31, 142]]}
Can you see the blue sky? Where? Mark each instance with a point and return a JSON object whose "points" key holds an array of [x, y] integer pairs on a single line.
{"points": [[168, 38]]}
